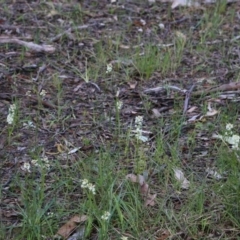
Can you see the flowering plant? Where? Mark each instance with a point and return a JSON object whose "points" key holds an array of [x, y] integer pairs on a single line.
{"points": [[229, 137]]}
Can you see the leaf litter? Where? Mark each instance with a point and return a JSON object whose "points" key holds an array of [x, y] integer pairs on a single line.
{"points": [[79, 105]]}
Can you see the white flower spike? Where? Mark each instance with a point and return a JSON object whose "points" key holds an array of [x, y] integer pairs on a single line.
{"points": [[109, 68], [106, 215], [11, 114], [139, 131]]}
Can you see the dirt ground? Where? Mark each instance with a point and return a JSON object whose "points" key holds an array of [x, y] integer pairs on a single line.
{"points": [[65, 97]]}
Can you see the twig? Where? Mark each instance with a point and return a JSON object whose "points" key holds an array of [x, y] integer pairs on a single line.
{"points": [[187, 98], [159, 89], [31, 45], [40, 70], [95, 85]]}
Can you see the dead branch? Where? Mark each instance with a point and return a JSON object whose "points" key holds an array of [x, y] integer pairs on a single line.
{"points": [[31, 45], [159, 89], [187, 98]]}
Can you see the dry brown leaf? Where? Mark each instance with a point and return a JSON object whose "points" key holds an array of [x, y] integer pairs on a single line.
{"points": [[165, 234], [150, 200], [135, 178], [211, 113], [144, 189], [133, 84], [68, 228], [192, 109], [60, 148]]}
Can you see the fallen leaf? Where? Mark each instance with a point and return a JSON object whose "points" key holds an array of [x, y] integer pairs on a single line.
{"points": [[68, 228], [189, 3], [74, 150], [211, 112], [156, 113], [192, 109], [79, 234], [144, 189], [60, 147], [179, 175], [214, 174], [194, 118], [165, 234], [135, 178], [150, 200], [132, 85]]}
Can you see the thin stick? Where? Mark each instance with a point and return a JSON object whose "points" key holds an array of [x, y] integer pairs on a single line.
{"points": [[187, 98]]}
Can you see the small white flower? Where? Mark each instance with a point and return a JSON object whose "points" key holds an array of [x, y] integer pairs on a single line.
{"points": [[233, 140], [41, 163], [84, 183], [124, 238], [10, 119], [138, 121], [161, 26], [28, 93], [109, 68], [91, 188], [143, 22], [139, 131], [229, 127], [106, 215], [43, 93], [46, 162], [26, 167], [141, 138], [119, 104], [45, 159], [11, 114], [35, 163], [229, 137]]}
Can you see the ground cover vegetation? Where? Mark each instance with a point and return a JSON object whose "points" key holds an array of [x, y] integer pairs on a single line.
{"points": [[119, 120]]}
